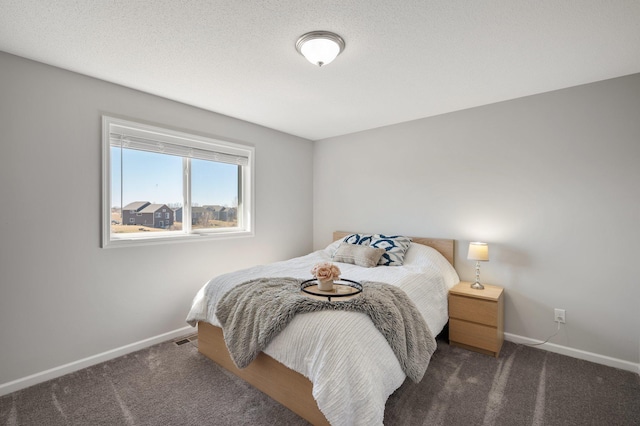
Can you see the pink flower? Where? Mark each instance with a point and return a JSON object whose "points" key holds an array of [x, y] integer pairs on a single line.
{"points": [[326, 271]]}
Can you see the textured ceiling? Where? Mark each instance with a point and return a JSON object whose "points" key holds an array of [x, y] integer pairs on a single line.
{"points": [[404, 59]]}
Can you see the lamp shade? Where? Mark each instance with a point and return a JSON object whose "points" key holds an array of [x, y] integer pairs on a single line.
{"points": [[320, 47], [478, 251]]}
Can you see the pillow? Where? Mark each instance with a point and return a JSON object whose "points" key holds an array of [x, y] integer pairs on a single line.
{"points": [[423, 257], [365, 256], [358, 239], [395, 247], [331, 248]]}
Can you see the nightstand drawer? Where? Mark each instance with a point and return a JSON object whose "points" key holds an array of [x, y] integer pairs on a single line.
{"points": [[475, 335], [475, 310]]}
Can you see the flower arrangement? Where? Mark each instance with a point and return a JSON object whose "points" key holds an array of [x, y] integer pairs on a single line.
{"points": [[326, 271]]}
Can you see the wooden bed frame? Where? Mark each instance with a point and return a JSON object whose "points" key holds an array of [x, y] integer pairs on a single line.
{"points": [[286, 386]]}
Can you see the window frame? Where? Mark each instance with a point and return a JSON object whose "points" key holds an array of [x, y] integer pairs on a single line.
{"points": [[246, 182]]}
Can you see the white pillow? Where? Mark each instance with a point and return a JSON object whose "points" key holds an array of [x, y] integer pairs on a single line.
{"points": [[421, 256], [331, 248]]}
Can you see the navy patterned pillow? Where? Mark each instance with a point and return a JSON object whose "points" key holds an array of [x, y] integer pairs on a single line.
{"points": [[358, 239], [395, 247]]}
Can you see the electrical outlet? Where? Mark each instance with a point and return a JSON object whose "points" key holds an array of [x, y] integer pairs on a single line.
{"points": [[558, 315]]}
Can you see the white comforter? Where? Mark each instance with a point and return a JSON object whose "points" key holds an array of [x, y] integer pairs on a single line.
{"points": [[351, 366]]}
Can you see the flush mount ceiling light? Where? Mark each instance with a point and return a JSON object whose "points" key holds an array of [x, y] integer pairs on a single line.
{"points": [[320, 47]]}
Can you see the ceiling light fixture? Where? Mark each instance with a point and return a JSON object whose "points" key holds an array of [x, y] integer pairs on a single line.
{"points": [[320, 47]]}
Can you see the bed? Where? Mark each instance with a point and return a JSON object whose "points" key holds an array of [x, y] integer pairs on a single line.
{"points": [[322, 380]]}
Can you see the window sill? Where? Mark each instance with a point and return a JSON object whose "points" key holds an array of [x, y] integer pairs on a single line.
{"points": [[167, 239]]}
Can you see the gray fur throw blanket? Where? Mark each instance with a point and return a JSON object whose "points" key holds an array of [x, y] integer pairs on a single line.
{"points": [[253, 313]]}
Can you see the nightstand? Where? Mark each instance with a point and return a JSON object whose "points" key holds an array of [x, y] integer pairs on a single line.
{"points": [[476, 318]]}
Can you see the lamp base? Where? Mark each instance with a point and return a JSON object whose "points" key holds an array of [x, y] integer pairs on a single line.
{"points": [[477, 286]]}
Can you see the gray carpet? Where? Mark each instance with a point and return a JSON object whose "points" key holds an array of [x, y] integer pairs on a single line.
{"points": [[175, 385]]}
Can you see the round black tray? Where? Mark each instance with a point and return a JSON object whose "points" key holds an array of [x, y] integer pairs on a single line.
{"points": [[341, 288]]}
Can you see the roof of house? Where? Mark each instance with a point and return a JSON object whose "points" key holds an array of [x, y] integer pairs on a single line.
{"points": [[152, 208], [136, 205]]}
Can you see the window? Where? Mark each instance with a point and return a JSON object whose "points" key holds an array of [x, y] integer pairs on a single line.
{"points": [[204, 185]]}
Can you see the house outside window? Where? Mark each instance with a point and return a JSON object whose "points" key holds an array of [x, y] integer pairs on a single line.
{"points": [[148, 171]]}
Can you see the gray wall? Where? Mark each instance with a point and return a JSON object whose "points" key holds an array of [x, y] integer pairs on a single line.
{"points": [[551, 182], [62, 297]]}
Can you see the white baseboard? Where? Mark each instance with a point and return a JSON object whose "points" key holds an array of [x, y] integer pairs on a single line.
{"points": [[34, 379], [577, 353]]}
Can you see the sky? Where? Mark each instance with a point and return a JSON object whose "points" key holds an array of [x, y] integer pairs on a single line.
{"points": [[157, 178]]}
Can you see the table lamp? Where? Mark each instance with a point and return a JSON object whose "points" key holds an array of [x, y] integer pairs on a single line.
{"points": [[480, 253]]}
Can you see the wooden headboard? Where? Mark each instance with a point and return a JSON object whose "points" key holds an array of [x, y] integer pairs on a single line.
{"points": [[444, 246]]}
